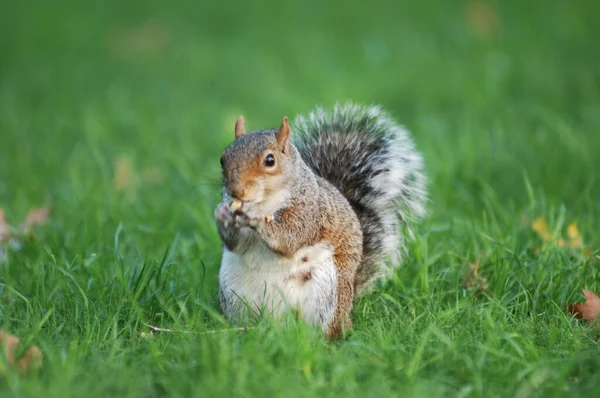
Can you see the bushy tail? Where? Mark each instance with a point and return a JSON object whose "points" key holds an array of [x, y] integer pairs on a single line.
{"points": [[374, 163]]}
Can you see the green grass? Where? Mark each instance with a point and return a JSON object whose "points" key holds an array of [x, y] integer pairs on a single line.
{"points": [[509, 124]]}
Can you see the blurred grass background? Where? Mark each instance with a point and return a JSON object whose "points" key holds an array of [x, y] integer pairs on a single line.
{"points": [[114, 114]]}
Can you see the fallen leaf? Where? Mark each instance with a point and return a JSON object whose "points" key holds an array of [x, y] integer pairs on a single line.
{"points": [[540, 226], [588, 310], [152, 175], [574, 236], [4, 228], [574, 239], [35, 217], [4, 236], [14, 238], [474, 280], [128, 178], [123, 174], [146, 39], [482, 18], [32, 359]]}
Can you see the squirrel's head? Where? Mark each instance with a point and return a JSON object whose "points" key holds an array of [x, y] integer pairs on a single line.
{"points": [[256, 166]]}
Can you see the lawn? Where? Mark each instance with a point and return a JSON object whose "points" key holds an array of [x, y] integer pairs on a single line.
{"points": [[113, 114]]}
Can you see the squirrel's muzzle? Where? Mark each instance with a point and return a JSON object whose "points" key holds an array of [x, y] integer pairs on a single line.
{"points": [[236, 191]]}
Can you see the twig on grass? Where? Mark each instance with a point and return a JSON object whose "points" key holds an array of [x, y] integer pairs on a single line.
{"points": [[157, 329]]}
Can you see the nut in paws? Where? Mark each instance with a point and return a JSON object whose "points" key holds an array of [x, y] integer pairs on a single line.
{"points": [[236, 205]]}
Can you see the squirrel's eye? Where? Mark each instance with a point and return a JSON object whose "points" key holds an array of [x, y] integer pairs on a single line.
{"points": [[270, 160], [222, 163]]}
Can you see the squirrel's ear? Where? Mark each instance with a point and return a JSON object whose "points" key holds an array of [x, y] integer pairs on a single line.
{"points": [[283, 135], [240, 127]]}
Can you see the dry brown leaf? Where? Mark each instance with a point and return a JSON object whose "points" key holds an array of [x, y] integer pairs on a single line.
{"points": [[482, 18], [123, 174], [147, 39], [4, 228], [127, 177], [32, 359], [5, 235], [588, 310], [35, 217], [473, 280], [152, 175], [14, 237]]}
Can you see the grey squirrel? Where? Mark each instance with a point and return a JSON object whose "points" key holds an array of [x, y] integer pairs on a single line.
{"points": [[312, 213]]}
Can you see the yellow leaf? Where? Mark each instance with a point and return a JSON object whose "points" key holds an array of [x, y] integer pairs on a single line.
{"points": [[574, 236], [540, 226]]}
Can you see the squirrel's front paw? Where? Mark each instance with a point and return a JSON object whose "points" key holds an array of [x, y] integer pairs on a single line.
{"points": [[251, 216], [224, 215], [231, 216], [244, 220]]}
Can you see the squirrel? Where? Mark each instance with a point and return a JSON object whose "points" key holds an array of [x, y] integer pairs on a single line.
{"points": [[310, 220]]}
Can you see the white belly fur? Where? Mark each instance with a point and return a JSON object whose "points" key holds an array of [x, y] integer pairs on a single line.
{"points": [[267, 281]]}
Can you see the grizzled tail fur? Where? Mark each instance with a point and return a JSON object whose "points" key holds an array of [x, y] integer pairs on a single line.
{"points": [[374, 163]]}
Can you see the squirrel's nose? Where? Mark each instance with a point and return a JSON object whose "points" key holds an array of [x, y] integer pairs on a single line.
{"points": [[235, 191]]}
